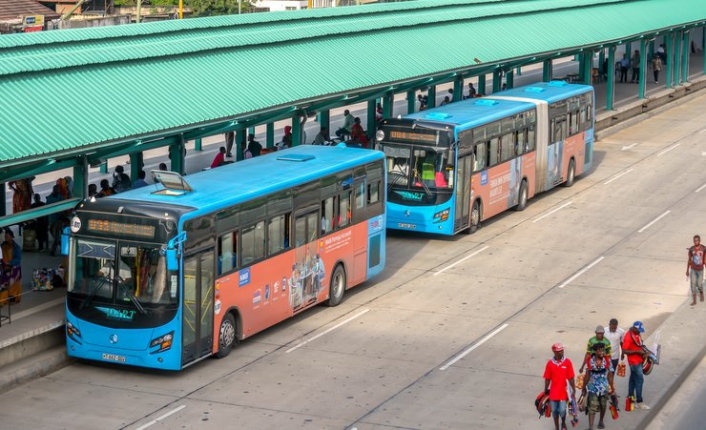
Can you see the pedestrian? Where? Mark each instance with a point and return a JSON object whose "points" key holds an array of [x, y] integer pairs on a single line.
{"points": [[616, 336], [92, 190], [557, 372], [121, 181], [22, 194], [106, 190], [656, 67], [286, 139], [140, 182], [662, 54], [633, 347], [56, 220], [624, 63], [163, 166], [635, 62], [41, 225], [446, 101], [504, 87], [230, 139], [11, 267], [358, 134], [254, 146], [598, 383], [378, 112], [348, 122], [219, 159], [598, 338], [322, 136], [695, 269], [471, 90]]}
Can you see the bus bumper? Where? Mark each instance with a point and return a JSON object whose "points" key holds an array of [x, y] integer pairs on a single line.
{"points": [[419, 219]]}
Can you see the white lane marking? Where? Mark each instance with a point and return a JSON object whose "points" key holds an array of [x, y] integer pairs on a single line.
{"points": [[653, 221], [551, 212], [461, 260], [702, 131], [155, 421], [299, 345], [703, 153], [669, 149], [700, 188], [581, 272], [469, 350], [619, 175], [625, 148]]}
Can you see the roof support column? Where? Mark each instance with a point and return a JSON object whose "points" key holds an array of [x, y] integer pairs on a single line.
{"points": [[104, 167], [547, 70], [325, 119], [703, 45], [136, 164], [412, 100], [669, 52], [641, 81], [518, 70], [586, 67], [81, 179], [176, 155], [458, 88], [388, 102], [431, 95], [372, 110], [497, 78], [510, 79], [675, 58], [270, 135], [296, 131], [610, 79], [198, 144], [601, 60], [240, 139], [686, 50], [481, 84], [628, 52], [3, 199]]}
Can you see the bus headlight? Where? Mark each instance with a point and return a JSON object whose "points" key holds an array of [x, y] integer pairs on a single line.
{"points": [[163, 342], [73, 332], [380, 135], [442, 215]]}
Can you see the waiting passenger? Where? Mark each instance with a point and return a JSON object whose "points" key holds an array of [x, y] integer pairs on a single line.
{"points": [[322, 137], [254, 146], [358, 134], [220, 158]]}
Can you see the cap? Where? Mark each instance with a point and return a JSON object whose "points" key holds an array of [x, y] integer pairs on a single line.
{"points": [[639, 326], [600, 329], [598, 345], [557, 347]]}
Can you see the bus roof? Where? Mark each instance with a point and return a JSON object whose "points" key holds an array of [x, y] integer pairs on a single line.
{"points": [[239, 182], [547, 91]]}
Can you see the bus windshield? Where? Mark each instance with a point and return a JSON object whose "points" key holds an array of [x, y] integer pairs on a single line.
{"points": [[110, 272], [419, 173]]}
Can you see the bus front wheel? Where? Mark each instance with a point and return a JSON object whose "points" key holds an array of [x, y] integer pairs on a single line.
{"points": [[227, 336], [475, 217], [337, 286], [571, 174]]}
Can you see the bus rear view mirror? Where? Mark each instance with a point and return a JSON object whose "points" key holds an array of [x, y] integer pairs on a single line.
{"points": [[172, 259], [65, 241]]}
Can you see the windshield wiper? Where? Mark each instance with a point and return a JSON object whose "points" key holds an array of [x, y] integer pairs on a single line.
{"points": [[94, 291], [426, 189], [131, 296]]}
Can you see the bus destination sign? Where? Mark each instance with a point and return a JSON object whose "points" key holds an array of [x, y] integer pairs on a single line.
{"points": [[412, 136], [112, 227]]}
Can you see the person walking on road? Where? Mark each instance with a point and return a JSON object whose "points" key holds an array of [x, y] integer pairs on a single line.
{"points": [[598, 383], [557, 372], [633, 348], [598, 338], [695, 269], [616, 336]]}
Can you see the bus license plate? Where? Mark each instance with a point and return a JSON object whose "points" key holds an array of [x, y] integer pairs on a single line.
{"points": [[406, 225], [113, 357]]}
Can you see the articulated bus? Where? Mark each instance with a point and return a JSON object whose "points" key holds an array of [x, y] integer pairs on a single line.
{"points": [[449, 168], [166, 275]]}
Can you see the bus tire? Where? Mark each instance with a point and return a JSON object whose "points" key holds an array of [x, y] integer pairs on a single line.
{"points": [[475, 217], [227, 336], [570, 174], [522, 197], [337, 286]]}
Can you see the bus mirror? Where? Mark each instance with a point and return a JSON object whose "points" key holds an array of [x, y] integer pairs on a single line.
{"points": [[65, 241], [172, 259]]}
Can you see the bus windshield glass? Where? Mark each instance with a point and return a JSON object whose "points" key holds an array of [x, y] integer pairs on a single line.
{"points": [[419, 174], [120, 273]]}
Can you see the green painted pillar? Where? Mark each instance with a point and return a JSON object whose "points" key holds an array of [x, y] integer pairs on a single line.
{"points": [[582, 68], [3, 199], [80, 178], [458, 88], [371, 116], [641, 81], [296, 131], [676, 75], [669, 51], [240, 139], [703, 45], [198, 144], [518, 71], [411, 101], [270, 135], [496, 80], [587, 66], [628, 50], [547, 70], [651, 48], [388, 104], [176, 155], [325, 119], [601, 58], [104, 167], [686, 51], [610, 81], [251, 130], [510, 79], [577, 57], [481, 85], [431, 95], [137, 163]]}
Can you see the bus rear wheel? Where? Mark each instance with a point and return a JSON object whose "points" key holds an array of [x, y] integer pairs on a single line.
{"points": [[522, 197], [475, 217], [337, 286], [571, 174], [227, 336]]}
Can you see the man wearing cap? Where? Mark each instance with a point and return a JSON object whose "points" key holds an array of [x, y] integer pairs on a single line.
{"points": [[598, 382], [615, 336], [632, 347], [558, 370], [598, 338]]}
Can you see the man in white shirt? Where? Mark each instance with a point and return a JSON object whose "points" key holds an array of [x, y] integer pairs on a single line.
{"points": [[615, 335]]}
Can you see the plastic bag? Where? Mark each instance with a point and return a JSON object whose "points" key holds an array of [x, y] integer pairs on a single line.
{"points": [[621, 369], [579, 381]]}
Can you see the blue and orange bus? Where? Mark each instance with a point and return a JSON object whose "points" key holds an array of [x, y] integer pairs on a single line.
{"points": [[169, 274], [451, 167]]}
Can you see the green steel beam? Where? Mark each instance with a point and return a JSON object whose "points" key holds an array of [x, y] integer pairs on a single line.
{"points": [[641, 81], [81, 180], [106, 153], [45, 210], [136, 164], [3, 199], [669, 52], [703, 45], [388, 103], [676, 76], [412, 100], [481, 85], [686, 51], [458, 88], [510, 79], [325, 119], [496, 80], [34, 169], [371, 116], [432, 96], [270, 135], [176, 154], [610, 79], [296, 130], [198, 144], [547, 70], [240, 139]]}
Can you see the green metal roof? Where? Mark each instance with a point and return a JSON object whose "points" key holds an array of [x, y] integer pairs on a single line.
{"points": [[72, 90]]}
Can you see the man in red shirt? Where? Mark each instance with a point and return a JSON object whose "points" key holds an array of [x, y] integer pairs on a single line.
{"points": [[558, 370], [219, 159], [695, 268], [632, 347]]}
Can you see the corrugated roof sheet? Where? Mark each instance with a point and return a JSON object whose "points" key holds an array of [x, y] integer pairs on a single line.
{"points": [[122, 83]]}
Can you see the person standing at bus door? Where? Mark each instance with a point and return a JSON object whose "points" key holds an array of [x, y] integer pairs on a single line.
{"points": [[656, 67], [254, 146], [41, 225], [471, 90], [219, 159], [635, 61], [557, 372], [624, 63], [11, 267], [347, 127], [695, 269]]}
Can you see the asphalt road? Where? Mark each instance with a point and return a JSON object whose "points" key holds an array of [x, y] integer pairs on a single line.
{"points": [[456, 332]]}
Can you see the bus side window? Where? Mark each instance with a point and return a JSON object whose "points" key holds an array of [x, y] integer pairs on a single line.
{"points": [[360, 196], [481, 159], [299, 231], [344, 209], [227, 254], [573, 123], [327, 215], [507, 147], [373, 192], [276, 234], [531, 139], [520, 147], [494, 151], [253, 243]]}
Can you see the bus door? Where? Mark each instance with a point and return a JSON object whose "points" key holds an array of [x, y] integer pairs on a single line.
{"points": [[197, 309], [462, 212]]}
